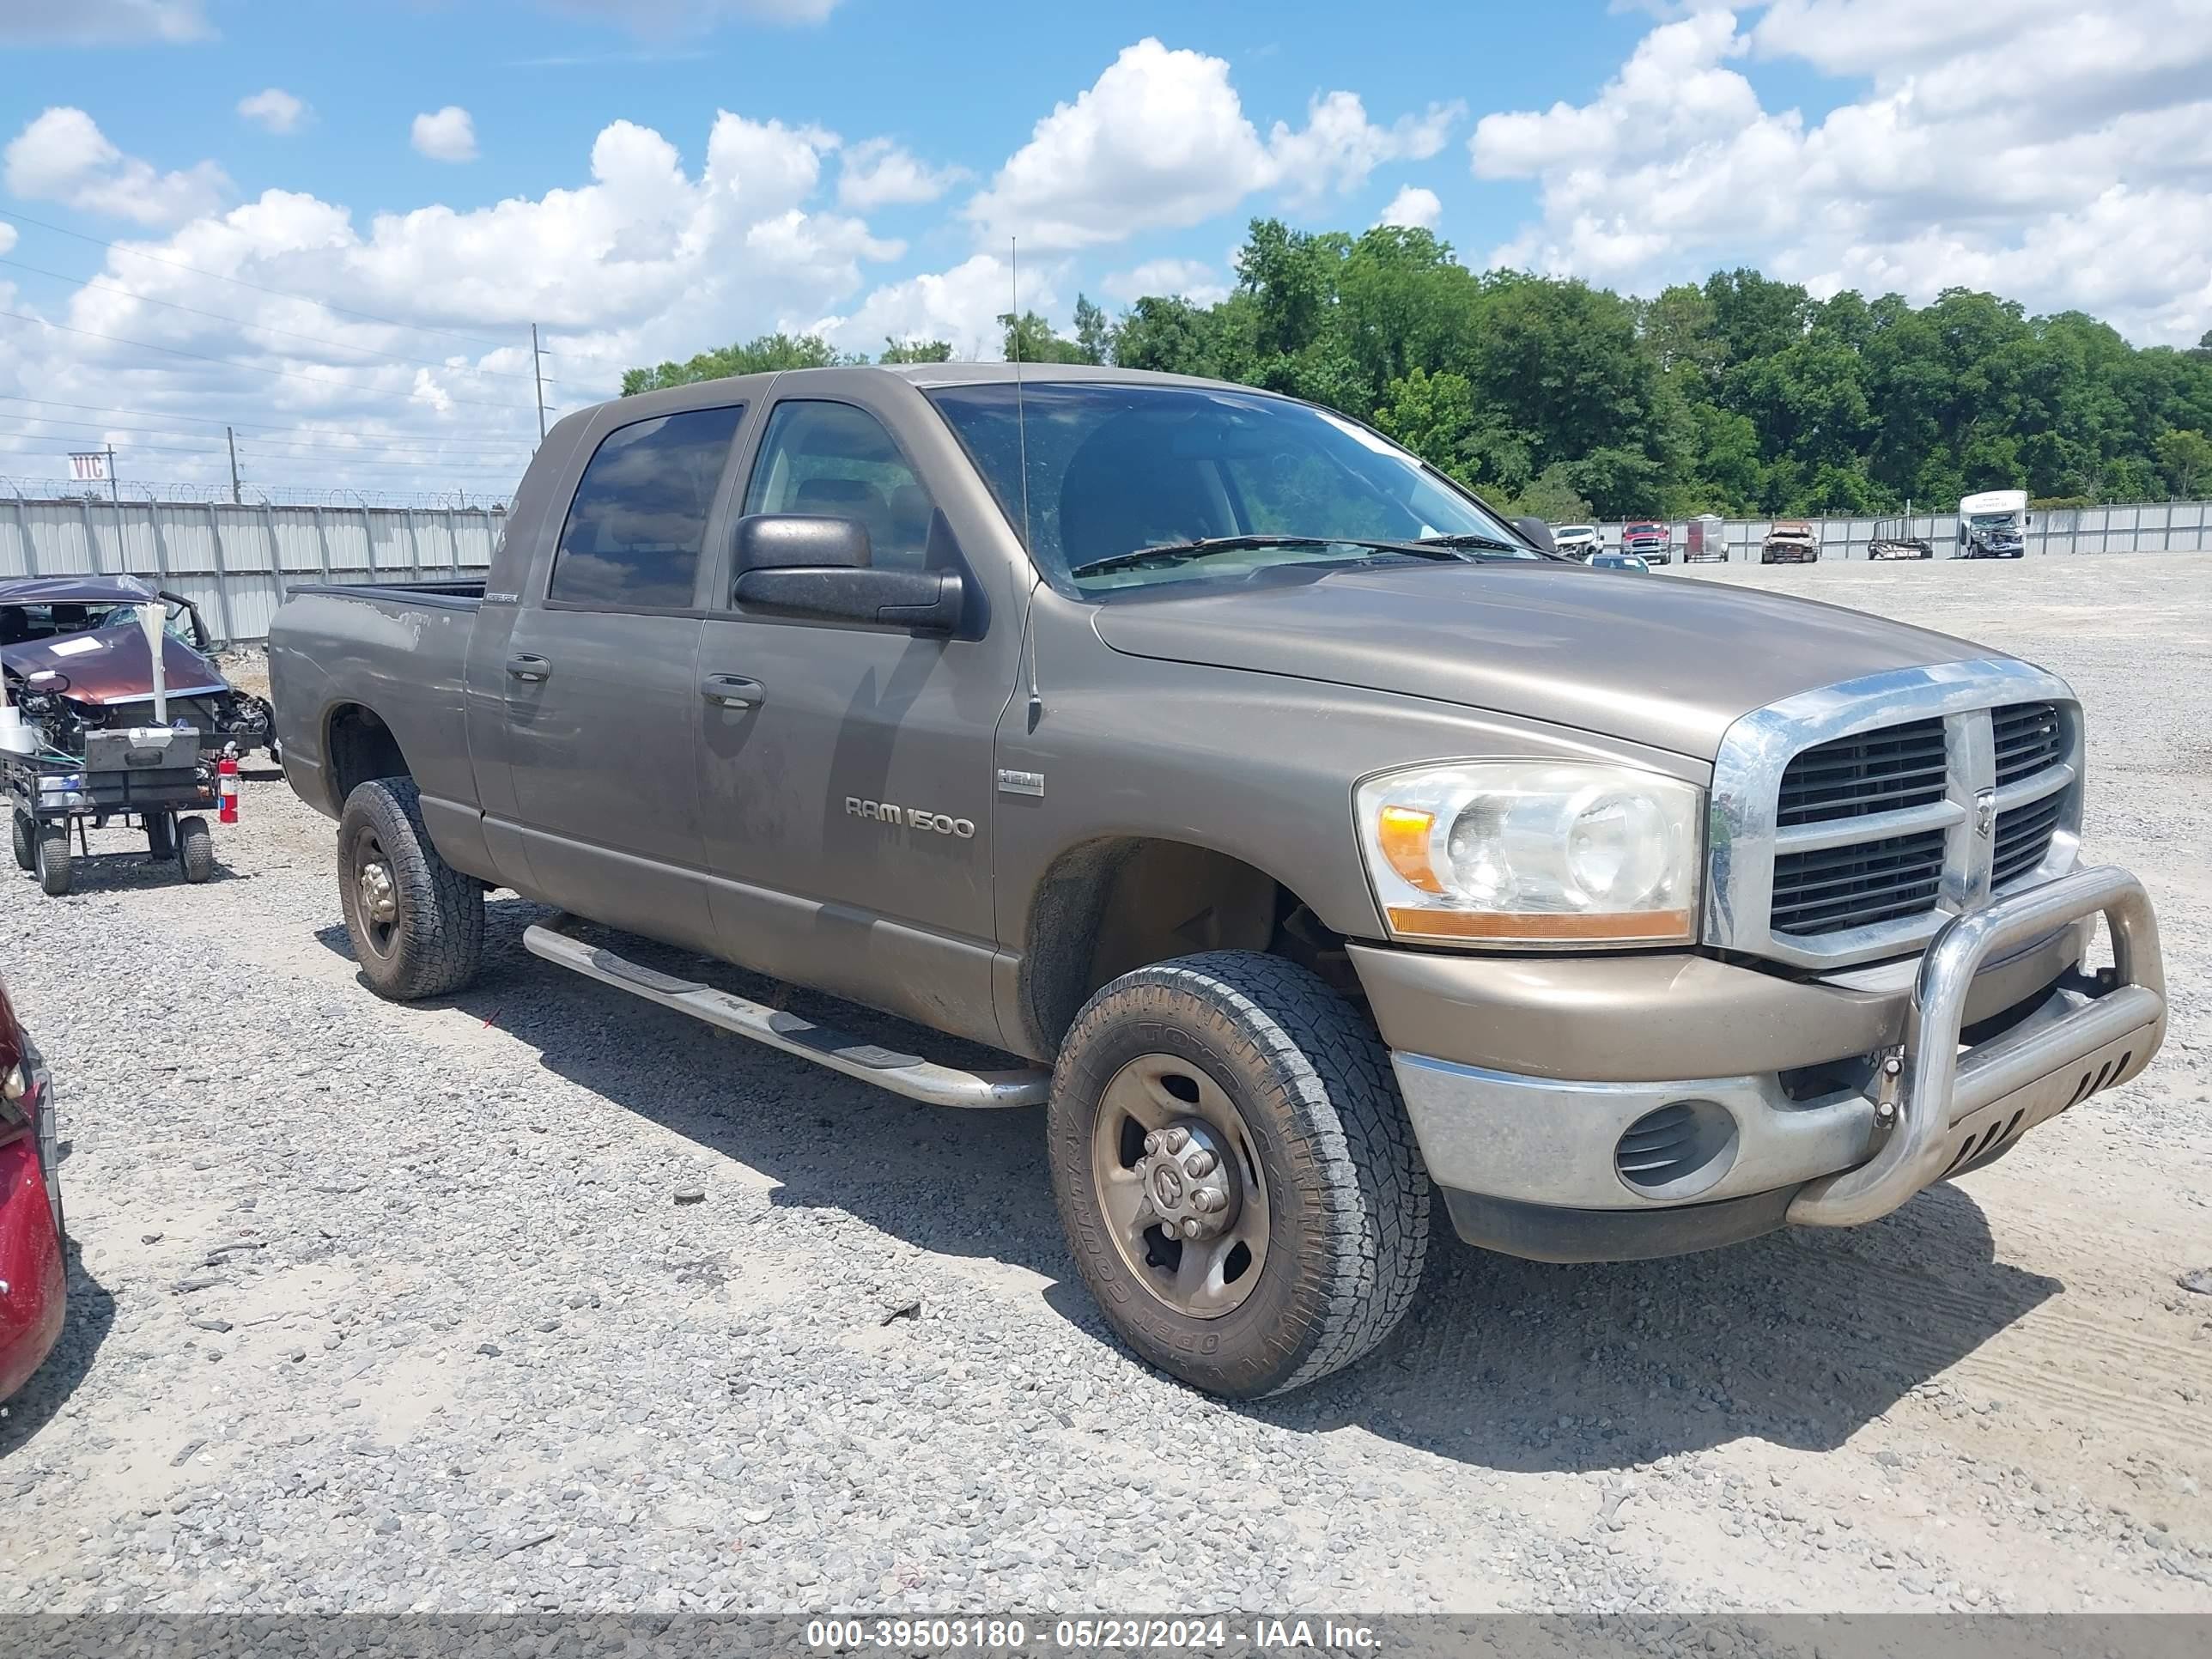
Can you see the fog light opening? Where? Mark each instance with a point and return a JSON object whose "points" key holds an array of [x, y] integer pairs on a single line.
{"points": [[1680, 1149]]}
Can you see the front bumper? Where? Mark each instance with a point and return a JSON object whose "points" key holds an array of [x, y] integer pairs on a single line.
{"points": [[1570, 1168]]}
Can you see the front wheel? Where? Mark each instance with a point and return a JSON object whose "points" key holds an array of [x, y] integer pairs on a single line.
{"points": [[1237, 1173], [56, 862], [416, 922], [160, 836], [27, 841]]}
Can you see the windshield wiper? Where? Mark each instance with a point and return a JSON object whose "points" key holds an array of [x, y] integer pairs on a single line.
{"points": [[1174, 553], [1466, 538]]}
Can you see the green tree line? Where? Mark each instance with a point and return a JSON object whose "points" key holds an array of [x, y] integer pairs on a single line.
{"points": [[1740, 395]]}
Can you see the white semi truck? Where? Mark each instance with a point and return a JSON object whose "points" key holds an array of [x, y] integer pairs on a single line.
{"points": [[1993, 525]]}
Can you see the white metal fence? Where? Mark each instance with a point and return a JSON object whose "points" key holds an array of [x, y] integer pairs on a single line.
{"points": [[234, 562], [2140, 527]]}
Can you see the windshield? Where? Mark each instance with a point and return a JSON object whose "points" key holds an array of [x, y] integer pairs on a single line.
{"points": [[24, 623], [1117, 468], [1992, 521], [1575, 530]]}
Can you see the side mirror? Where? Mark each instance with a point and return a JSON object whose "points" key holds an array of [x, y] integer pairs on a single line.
{"points": [[791, 565], [798, 541], [1537, 534]]}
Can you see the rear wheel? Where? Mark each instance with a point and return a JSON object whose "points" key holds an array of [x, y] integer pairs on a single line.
{"points": [[27, 841], [195, 849], [161, 836], [56, 859], [1236, 1172], [416, 923]]}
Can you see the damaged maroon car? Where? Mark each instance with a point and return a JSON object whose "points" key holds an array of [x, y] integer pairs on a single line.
{"points": [[85, 630]]}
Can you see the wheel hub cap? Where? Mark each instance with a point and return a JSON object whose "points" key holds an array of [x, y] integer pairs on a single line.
{"points": [[1189, 1180], [380, 899]]}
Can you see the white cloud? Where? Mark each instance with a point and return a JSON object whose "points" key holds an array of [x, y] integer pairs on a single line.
{"points": [[1190, 279], [879, 173], [274, 108], [63, 157], [1966, 162], [961, 305], [101, 22], [448, 136], [7, 236], [642, 260], [1161, 139], [1339, 146], [1414, 208]]}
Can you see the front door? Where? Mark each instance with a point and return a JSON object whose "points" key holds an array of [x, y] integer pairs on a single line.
{"points": [[848, 807], [602, 698]]}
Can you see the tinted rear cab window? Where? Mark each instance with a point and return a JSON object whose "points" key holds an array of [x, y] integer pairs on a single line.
{"points": [[635, 531]]}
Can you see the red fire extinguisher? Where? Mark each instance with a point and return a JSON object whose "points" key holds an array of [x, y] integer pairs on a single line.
{"points": [[226, 783]]}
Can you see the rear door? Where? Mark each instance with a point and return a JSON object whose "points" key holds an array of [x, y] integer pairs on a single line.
{"points": [[848, 808], [601, 687]]}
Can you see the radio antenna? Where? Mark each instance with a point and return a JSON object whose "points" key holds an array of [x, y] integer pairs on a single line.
{"points": [[1021, 420], [1021, 444]]}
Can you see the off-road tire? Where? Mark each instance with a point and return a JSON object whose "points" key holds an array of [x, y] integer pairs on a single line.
{"points": [[160, 838], [436, 942], [1348, 1194], [57, 858], [27, 840], [195, 849]]}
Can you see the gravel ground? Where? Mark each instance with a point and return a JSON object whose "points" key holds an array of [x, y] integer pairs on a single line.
{"points": [[545, 1298]]}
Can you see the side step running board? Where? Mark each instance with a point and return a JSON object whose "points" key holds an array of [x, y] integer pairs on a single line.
{"points": [[903, 1075]]}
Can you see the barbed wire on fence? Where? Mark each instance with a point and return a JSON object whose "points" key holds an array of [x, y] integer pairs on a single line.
{"points": [[146, 494]]}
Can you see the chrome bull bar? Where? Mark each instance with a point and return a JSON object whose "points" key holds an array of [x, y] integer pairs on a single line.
{"points": [[1952, 1109]]}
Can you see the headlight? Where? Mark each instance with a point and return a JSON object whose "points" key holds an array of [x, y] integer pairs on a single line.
{"points": [[1533, 852]]}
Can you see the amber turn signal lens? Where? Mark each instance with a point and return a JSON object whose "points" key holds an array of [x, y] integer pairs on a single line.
{"points": [[1403, 833], [1649, 926]]}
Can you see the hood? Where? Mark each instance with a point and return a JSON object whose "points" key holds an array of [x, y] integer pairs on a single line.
{"points": [[112, 665], [1669, 662]]}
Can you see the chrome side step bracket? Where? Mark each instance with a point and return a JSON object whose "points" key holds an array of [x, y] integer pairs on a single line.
{"points": [[910, 1075]]}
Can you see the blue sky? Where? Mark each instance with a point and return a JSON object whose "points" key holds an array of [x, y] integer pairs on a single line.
{"points": [[357, 211]]}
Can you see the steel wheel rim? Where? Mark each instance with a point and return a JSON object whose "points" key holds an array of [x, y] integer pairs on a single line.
{"points": [[1202, 1278], [375, 894]]}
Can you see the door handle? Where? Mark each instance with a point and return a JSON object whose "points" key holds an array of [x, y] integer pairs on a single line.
{"points": [[524, 666], [732, 690]]}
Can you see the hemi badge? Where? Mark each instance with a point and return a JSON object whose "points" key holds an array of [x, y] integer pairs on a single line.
{"points": [[1020, 783]]}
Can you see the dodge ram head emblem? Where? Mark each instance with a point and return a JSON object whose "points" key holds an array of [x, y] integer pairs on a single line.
{"points": [[1985, 812]]}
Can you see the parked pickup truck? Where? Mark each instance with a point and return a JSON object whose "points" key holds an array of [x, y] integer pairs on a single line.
{"points": [[1791, 541], [1309, 841]]}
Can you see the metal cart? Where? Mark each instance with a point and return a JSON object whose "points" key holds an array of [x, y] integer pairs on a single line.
{"points": [[155, 778]]}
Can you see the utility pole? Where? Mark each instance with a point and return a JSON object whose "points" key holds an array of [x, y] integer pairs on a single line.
{"points": [[114, 491], [237, 495], [537, 373]]}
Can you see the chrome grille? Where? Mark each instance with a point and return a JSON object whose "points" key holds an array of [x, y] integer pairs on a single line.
{"points": [[2029, 738], [1854, 886], [2023, 838], [1867, 773], [1850, 822]]}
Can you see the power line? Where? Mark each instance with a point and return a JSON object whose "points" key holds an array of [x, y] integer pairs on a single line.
{"points": [[265, 328], [258, 288], [257, 368], [164, 449], [213, 419], [372, 439]]}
